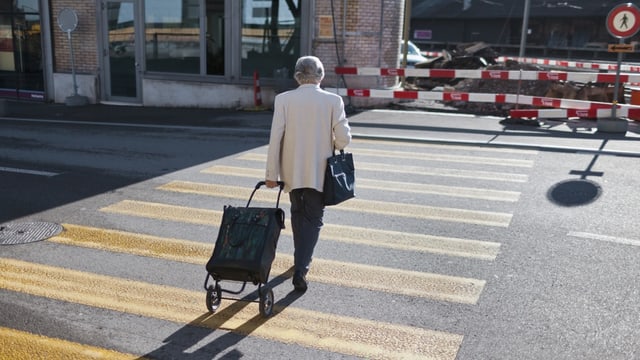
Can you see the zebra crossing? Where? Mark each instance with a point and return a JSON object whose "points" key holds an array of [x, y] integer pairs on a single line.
{"points": [[469, 186]]}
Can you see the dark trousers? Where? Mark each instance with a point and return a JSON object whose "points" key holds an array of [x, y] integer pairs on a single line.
{"points": [[307, 209]]}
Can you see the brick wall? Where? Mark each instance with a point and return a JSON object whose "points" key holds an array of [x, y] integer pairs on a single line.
{"points": [[85, 49], [366, 35]]}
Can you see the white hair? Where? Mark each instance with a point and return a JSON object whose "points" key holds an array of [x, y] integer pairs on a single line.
{"points": [[309, 70]]}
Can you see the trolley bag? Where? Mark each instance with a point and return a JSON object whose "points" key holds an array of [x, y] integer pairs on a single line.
{"points": [[246, 243]]}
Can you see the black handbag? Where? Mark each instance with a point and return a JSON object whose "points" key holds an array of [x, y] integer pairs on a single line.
{"points": [[339, 179]]}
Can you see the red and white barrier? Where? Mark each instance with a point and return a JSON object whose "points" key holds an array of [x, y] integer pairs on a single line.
{"points": [[257, 94], [582, 77], [557, 63], [473, 97], [573, 64], [629, 112]]}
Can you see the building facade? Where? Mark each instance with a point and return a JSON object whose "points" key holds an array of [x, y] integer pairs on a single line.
{"points": [[568, 29], [187, 53]]}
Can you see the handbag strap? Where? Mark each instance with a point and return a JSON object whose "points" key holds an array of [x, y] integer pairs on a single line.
{"points": [[333, 149]]}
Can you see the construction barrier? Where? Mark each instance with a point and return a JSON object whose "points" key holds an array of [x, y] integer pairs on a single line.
{"points": [[473, 97], [582, 77], [557, 63], [257, 95], [573, 64], [562, 108], [628, 112]]}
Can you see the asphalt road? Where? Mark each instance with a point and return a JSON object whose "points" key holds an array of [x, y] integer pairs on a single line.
{"points": [[469, 239]]}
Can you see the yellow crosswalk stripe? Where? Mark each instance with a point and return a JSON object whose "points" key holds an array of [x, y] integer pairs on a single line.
{"points": [[409, 283], [419, 170], [445, 157], [363, 183], [476, 217], [20, 345], [450, 246], [334, 333], [380, 143]]}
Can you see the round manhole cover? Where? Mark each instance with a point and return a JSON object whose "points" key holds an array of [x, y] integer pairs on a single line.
{"points": [[574, 192], [22, 233]]}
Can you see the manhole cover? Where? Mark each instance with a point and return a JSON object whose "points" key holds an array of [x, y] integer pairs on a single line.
{"points": [[22, 233], [574, 192]]}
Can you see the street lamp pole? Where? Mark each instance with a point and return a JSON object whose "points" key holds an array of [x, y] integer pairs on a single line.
{"points": [[525, 27]]}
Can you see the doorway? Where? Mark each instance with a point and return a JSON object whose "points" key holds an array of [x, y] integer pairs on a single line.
{"points": [[121, 51], [21, 63]]}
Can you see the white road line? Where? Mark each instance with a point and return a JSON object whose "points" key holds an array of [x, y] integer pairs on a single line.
{"points": [[136, 125], [611, 239], [26, 171]]}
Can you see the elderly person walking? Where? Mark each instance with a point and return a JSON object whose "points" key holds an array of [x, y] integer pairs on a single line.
{"points": [[308, 123]]}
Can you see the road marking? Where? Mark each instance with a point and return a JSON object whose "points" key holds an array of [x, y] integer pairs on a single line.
{"points": [[611, 239], [334, 333], [15, 344], [455, 191], [425, 212], [376, 278], [27, 171], [419, 170], [356, 142], [139, 125], [444, 157], [483, 250]]}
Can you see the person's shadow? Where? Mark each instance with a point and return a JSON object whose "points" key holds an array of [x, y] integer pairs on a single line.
{"points": [[179, 344]]}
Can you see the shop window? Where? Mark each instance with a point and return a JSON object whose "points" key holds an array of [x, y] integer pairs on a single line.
{"points": [[215, 37], [20, 52], [270, 40], [7, 61], [27, 6], [172, 36]]}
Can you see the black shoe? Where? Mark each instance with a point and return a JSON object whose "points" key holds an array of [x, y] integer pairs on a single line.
{"points": [[299, 283]]}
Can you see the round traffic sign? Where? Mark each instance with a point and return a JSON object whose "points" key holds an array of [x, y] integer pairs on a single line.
{"points": [[67, 20], [623, 21]]}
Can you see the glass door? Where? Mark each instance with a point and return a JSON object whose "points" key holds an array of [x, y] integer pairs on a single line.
{"points": [[121, 54], [21, 73]]}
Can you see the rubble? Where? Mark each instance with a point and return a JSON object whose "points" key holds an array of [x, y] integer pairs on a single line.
{"points": [[480, 56]]}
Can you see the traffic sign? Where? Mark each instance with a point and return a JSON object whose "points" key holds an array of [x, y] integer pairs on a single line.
{"points": [[621, 48], [623, 21]]}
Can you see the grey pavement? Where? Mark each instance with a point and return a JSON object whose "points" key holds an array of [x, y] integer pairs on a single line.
{"points": [[402, 123]]}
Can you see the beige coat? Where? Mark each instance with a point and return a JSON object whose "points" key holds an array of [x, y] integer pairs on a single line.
{"points": [[302, 137]]}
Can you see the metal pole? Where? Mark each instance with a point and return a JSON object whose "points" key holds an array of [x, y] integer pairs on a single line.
{"points": [[73, 66], [380, 35], [525, 28], [617, 87], [407, 19]]}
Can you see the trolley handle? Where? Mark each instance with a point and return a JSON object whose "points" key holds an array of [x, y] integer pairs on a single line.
{"points": [[260, 184]]}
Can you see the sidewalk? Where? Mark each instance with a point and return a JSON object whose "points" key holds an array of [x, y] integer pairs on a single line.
{"points": [[412, 124], [455, 128]]}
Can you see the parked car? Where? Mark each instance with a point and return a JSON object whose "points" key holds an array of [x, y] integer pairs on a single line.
{"points": [[413, 55]]}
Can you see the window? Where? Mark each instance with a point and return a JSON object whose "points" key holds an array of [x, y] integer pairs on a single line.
{"points": [[172, 36], [21, 49], [196, 37], [27, 6], [270, 36], [215, 37]]}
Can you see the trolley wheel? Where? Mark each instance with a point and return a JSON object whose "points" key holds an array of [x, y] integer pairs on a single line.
{"points": [[214, 297], [266, 301]]}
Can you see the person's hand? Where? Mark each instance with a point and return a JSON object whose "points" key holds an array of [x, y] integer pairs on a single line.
{"points": [[270, 183]]}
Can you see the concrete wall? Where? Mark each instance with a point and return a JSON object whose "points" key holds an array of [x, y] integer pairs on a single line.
{"points": [[168, 93], [63, 86]]}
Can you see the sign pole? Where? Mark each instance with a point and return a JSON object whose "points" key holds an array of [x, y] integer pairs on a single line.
{"points": [[617, 86], [68, 21], [623, 21]]}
